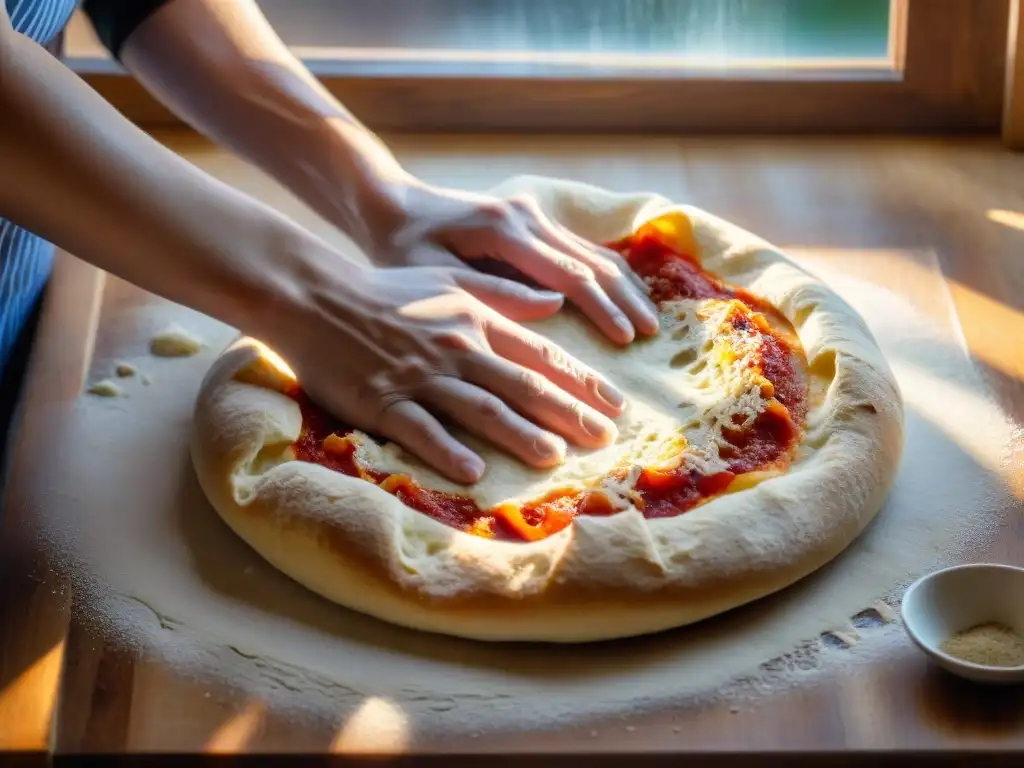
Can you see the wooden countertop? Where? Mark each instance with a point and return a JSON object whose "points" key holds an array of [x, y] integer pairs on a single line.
{"points": [[962, 199]]}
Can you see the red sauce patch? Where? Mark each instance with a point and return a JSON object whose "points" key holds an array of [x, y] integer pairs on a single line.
{"points": [[777, 367], [450, 509], [761, 446], [663, 493], [667, 494], [673, 275], [317, 426]]}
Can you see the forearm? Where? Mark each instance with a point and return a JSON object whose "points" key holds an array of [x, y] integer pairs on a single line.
{"points": [[80, 175], [220, 66]]}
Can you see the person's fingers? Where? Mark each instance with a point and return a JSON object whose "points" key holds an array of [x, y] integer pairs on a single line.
{"points": [[536, 398], [609, 254], [515, 301], [610, 271], [531, 350], [485, 414], [554, 269], [415, 429]]}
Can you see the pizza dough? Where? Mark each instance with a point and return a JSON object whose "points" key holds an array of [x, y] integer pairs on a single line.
{"points": [[106, 388], [602, 577], [174, 341]]}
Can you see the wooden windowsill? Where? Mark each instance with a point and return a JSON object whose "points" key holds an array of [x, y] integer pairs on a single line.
{"points": [[945, 74]]}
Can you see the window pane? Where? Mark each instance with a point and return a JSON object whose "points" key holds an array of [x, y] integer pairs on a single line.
{"points": [[718, 31]]}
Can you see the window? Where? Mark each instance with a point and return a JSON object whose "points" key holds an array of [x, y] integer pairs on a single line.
{"points": [[586, 35], [638, 65]]}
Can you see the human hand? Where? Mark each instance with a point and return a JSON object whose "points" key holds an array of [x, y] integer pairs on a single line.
{"points": [[422, 225], [390, 351]]}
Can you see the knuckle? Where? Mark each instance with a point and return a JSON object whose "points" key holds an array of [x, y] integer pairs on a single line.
{"points": [[532, 384], [408, 377], [433, 383], [388, 400], [387, 417], [496, 212], [556, 358], [608, 270], [491, 408], [552, 356], [524, 204], [577, 271], [375, 389], [454, 340], [466, 317], [413, 370]]}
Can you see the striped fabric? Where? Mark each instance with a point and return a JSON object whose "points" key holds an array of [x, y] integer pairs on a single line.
{"points": [[40, 19], [25, 260]]}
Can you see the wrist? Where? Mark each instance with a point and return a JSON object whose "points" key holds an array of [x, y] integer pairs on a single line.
{"points": [[385, 214], [279, 297], [362, 188]]}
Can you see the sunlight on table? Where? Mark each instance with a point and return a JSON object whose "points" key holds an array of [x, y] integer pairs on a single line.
{"points": [[1006, 218], [26, 703], [235, 734], [376, 726]]}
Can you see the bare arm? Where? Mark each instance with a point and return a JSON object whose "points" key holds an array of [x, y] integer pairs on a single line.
{"points": [[377, 351], [79, 174], [221, 67]]}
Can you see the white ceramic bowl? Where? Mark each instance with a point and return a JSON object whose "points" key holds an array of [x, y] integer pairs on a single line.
{"points": [[940, 604]]}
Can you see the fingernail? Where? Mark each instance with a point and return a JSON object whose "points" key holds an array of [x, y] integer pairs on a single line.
{"points": [[600, 428], [653, 325], [549, 446], [623, 324], [610, 394], [471, 468]]}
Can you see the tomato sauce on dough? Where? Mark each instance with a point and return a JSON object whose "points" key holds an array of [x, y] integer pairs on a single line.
{"points": [[762, 444]]}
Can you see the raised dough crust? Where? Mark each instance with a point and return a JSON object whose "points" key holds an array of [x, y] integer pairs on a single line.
{"points": [[603, 577]]}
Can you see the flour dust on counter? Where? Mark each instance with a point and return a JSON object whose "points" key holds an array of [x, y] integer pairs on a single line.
{"points": [[155, 568]]}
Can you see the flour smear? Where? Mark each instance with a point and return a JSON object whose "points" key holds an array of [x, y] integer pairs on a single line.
{"points": [[154, 567]]}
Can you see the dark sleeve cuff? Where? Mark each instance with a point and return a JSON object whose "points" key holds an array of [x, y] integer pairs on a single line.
{"points": [[115, 20]]}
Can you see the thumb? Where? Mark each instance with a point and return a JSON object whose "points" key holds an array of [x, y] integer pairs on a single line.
{"points": [[512, 299]]}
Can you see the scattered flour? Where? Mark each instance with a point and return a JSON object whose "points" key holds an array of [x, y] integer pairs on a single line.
{"points": [[158, 570]]}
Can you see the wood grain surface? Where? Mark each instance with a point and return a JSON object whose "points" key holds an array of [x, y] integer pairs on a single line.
{"points": [[64, 692]]}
